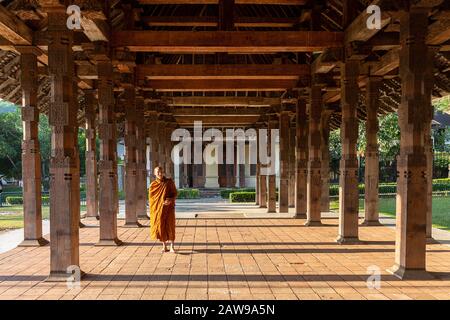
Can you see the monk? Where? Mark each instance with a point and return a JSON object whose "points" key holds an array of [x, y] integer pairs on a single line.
{"points": [[162, 195]]}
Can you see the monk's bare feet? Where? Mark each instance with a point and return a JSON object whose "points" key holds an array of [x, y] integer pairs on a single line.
{"points": [[172, 250]]}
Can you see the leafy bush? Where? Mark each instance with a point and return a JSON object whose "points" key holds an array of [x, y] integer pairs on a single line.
{"points": [[188, 194], [242, 197], [225, 194], [13, 201]]}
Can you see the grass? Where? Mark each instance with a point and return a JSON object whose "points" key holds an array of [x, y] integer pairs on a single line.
{"points": [[11, 217], [441, 210]]}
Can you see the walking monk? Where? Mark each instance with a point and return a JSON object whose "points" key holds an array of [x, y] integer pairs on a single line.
{"points": [[162, 197]]}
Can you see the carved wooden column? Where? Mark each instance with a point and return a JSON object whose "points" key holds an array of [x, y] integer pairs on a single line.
{"points": [[170, 169], [31, 157], [153, 123], [77, 177], [284, 161], [141, 160], [271, 192], [292, 137], [429, 115], [262, 189], [131, 220], [64, 198], [91, 157], [371, 178], [314, 184], [416, 74], [348, 191], [325, 154], [107, 165], [301, 156]]}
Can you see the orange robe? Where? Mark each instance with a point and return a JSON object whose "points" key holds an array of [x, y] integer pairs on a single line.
{"points": [[162, 217]]}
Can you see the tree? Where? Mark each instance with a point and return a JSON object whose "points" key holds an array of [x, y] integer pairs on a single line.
{"points": [[11, 144]]}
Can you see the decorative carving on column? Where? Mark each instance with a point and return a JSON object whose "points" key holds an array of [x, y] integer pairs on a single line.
{"points": [[284, 161], [31, 157], [292, 137], [154, 155], [314, 181], [262, 187], [91, 155], [271, 192], [414, 116], [348, 180], [371, 174], [64, 198], [301, 156], [325, 154], [141, 159], [107, 165], [131, 220]]}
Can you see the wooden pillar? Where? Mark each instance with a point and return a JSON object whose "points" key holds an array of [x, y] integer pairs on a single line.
{"points": [[348, 180], [325, 154], [153, 123], [371, 174], [91, 155], [130, 159], [417, 78], [271, 192], [314, 182], [170, 169], [429, 173], [284, 161], [107, 166], [31, 157], [64, 198], [77, 176], [141, 161], [257, 192], [292, 137], [262, 187], [301, 155]]}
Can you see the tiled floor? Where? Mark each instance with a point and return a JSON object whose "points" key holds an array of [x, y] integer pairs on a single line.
{"points": [[228, 259]]}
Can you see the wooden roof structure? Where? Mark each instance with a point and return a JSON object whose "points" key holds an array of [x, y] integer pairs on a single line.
{"points": [[230, 62]]}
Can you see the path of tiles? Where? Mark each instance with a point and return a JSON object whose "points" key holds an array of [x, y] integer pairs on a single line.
{"points": [[228, 259]]}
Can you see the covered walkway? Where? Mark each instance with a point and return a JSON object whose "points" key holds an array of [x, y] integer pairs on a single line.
{"points": [[229, 258]]}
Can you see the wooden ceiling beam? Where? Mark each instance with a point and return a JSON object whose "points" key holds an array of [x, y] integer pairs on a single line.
{"points": [[220, 101], [226, 72], [212, 21], [13, 29], [220, 85], [227, 41], [217, 111], [262, 2]]}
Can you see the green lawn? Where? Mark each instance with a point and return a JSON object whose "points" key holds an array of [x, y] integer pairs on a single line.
{"points": [[11, 217], [441, 210]]}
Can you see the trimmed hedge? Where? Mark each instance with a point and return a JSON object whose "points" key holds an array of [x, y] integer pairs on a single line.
{"points": [[188, 194], [225, 194], [244, 197], [12, 201], [391, 187]]}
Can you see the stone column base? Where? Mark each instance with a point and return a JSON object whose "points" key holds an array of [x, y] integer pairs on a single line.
{"points": [[62, 276], [132, 225], [34, 242], [348, 240], [313, 224], [369, 223], [410, 274], [109, 243]]}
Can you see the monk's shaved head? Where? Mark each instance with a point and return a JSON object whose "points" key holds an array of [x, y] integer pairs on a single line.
{"points": [[159, 172]]}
